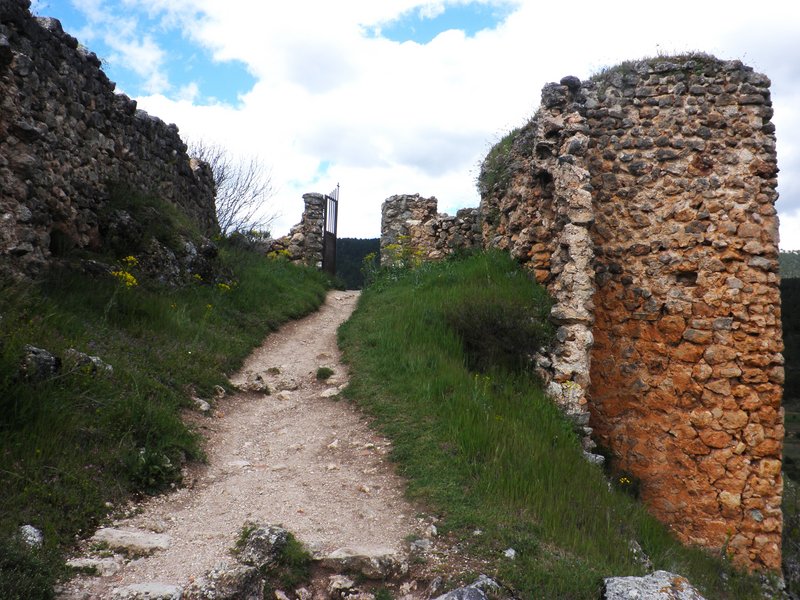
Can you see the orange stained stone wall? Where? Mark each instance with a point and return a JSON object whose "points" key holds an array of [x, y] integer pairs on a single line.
{"points": [[643, 200], [686, 370]]}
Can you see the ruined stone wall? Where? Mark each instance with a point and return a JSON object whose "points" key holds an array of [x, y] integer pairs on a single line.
{"points": [[686, 369], [644, 201], [537, 204], [413, 222], [305, 241], [66, 138]]}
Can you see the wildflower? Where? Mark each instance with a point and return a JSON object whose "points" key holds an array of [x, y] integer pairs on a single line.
{"points": [[125, 278], [197, 277], [223, 287], [131, 261], [209, 306]]}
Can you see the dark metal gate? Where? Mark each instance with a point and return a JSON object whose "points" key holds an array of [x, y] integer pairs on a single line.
{"points": [[329, 235]]}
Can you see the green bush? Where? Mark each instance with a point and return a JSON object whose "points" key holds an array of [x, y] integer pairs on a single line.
{"points": [[501, 332]]}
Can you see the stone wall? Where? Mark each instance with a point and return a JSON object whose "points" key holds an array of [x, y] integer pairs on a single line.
{"points": [[66, 139], [305, 242], [686, 376], [414, 223], [644, 201]]}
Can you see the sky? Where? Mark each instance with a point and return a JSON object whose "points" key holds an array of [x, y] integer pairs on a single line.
{"points": [[392, 97]]}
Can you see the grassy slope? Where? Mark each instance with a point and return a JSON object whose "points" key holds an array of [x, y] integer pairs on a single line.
{"points": [[488, 451], [74, 442]]}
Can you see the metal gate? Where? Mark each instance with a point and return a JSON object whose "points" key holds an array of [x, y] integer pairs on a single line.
{"points": [[329, 235]]}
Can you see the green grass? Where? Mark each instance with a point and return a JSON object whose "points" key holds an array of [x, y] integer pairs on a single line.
{"points": [[73, 442], [324, 373], [495, 167], [487, 451]]}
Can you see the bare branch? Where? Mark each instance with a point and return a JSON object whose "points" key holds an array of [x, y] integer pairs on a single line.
{"points": [[244, 188]]}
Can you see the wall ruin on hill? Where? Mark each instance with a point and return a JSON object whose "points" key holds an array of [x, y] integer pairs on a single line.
{"points": [[409, 220], [305, 241], [66, 139], [644, 201]]}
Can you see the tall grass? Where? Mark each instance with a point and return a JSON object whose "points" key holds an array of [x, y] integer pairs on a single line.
{"points": [[73, 442], [486, 450]]}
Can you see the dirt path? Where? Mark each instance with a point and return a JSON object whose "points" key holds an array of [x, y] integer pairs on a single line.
{"points": [[294, 457]]}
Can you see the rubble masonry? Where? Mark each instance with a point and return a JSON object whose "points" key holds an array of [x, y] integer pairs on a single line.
{"points": [[643, 200]]}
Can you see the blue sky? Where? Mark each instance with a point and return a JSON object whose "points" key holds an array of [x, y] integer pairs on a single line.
{"points": [[404, 96], [422, 26], [189, 68]]}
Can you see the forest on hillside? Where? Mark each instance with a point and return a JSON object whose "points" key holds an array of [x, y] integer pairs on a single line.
{"points": [[350, 253], [790, 263]]}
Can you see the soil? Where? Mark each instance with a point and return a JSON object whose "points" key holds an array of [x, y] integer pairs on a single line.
{"points": [[292, 457]]}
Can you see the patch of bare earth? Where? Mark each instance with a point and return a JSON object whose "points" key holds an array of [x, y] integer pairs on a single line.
{"points": [[285, 452]]}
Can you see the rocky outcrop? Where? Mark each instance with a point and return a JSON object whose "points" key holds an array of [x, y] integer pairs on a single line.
{"points": [[68, 142], [660, 585]]}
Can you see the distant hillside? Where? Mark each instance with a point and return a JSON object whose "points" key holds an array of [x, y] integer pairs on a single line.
{"points": [[350, 253], [790, 263]]}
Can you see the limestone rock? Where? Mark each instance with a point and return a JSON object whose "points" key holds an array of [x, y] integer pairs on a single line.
{"points": [[372, 563], [131, 541], [90, 364], [660, 585], [478, 590], [147, 591], [102, 567], [38, 364], [225, 582], [30, 536], [263, 546]]}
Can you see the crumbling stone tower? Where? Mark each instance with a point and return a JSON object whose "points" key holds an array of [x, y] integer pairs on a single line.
{"points": [[644, 200]]}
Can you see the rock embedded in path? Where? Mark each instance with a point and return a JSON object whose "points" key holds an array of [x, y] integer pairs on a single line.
{"points": [[225, 582], [102, 567], [263, 546], [372, 563], [659, 585], [131, 541], [147, 591]]}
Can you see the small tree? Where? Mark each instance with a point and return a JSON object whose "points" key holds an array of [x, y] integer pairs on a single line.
{"points": [[244, 187]]}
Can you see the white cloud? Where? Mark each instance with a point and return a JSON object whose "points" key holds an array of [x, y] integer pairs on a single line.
{"points": [[130, 47], [144, 57], [395, 118]]}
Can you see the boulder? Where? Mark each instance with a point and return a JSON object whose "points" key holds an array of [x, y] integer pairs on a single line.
{"points": [[38, 364], [659, 585], [478, 590], [263, 546]]}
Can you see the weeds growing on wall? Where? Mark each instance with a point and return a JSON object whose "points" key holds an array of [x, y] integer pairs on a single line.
{"points": [[486, 451], [495, 169], [73, 441]]}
